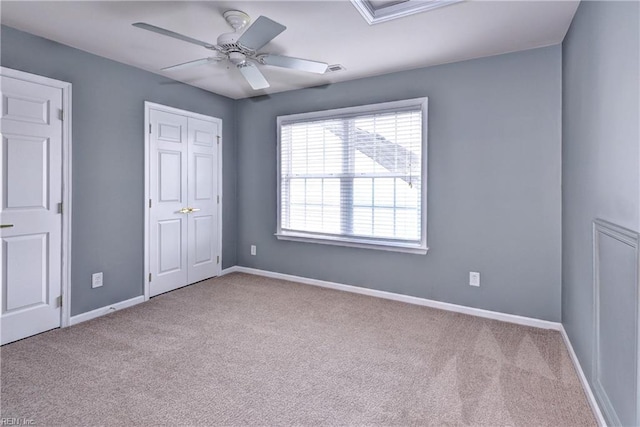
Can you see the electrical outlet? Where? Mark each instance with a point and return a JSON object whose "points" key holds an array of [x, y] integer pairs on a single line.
{"points": [[253, 249], [96, 280], [474, 278]]}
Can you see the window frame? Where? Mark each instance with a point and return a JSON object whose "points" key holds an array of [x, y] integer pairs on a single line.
{"points": [[358, 242]]}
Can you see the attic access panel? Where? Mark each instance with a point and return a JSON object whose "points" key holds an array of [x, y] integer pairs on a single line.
{"points": [[376, 11]]}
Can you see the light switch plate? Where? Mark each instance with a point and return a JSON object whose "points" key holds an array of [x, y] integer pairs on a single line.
{"points": [[96, 280], [474, 278]]}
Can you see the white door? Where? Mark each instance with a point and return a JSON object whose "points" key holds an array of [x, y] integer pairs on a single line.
{"points": [[31, 190], [168, 203], [183, 229], [202, 221]]}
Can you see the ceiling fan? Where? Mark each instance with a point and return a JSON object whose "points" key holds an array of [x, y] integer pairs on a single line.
{"points": [[241, 48]]}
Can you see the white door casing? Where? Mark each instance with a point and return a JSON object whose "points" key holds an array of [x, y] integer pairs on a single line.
{"points": [[182, 185], [34, 266]]}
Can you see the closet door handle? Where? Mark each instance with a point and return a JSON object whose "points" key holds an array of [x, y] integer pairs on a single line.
{"points": [[194, 209], [6, 225], [185, 210]]}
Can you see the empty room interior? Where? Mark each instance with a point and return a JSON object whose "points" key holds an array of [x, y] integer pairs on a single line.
{"points": [[346, 212]]}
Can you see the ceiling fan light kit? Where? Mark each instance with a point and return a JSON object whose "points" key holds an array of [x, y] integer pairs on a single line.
{"points": [[241, 48]]}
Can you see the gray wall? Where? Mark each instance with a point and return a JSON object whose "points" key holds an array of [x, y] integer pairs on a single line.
{"points": [[494, 185], [108, 160], [600, 166]]}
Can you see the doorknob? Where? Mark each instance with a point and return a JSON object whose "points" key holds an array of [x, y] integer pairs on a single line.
{"points": [[6, 225], [188, 210]]}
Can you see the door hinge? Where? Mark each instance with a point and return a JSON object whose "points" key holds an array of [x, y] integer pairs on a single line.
{"points": [[149, 203], [218, 259], [61, 113], [218, 137], [60, 207], [149, 127], [149, 277], [218, 199], [59, 301]]}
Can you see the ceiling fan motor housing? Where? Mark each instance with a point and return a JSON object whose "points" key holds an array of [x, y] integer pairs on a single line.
{"points": [[228, 42]]}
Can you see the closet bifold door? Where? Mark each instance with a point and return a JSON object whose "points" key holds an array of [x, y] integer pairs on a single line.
{"points": [[183, 199], [202, 187], [168, 170]]}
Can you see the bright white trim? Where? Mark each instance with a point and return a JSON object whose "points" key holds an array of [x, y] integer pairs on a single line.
{"points": [[353, 243], [229, 270], [147, 120], [65, 285], [66, 205], [106, 310], [220, 194], [487, 314], [147, 191], [583, 379]]}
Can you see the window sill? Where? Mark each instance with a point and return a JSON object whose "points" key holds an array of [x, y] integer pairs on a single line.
{"points": [[353, 243]]}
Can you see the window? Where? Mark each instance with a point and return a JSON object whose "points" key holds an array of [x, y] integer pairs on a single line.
{"points": [[376, 11], [355, 176]]}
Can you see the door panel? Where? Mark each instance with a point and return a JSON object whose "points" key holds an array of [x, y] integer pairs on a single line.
{"points": [[26, 160], [203, 137], [170, 176], [31, 250], [22, 108], [170, 246], [203, 173], [168, 189], [171, 132], [26, 251], [203, 245]]}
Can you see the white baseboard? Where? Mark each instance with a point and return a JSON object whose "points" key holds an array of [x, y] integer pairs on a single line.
{"points": [[583, 379], [105, 310], [488, 314], [229, 270]]}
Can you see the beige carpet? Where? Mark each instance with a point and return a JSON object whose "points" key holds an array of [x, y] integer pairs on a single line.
{"points": [[245, 350]]}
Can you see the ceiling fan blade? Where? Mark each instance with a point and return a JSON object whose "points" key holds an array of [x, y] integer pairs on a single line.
{"points": [[295, 63], [261, 32], [191, 64], [253, 76], [173, 34]]}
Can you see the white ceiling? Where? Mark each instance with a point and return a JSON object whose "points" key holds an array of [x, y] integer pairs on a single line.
{"points": [[328, 31]]}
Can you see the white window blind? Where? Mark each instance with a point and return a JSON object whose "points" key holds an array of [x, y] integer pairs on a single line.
{"points": [[354, 175]]}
